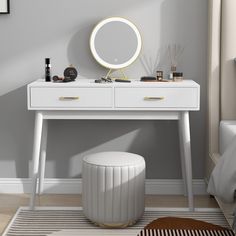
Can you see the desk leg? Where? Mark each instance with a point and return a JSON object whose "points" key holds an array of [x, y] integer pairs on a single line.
{"points": [[36, 152], [181, 147], [43, 156], [186, 152]]}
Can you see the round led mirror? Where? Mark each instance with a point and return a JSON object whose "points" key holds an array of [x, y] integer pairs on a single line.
{"points": [[115, 43]]}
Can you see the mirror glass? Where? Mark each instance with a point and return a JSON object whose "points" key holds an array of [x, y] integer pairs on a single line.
{"points": [[115, 43]]}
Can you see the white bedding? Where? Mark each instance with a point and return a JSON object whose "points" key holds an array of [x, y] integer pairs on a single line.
{"points": [[227, 133], [222, 182]]}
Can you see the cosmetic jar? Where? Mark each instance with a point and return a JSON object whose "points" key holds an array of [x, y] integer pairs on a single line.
{"points": [[159, 75], [177, 76]]}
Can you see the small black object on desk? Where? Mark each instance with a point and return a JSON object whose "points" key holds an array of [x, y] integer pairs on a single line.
{"points": [[57, 79], [122, 80], [148, 78], [109, 80], [106, 79], [103, 80]]}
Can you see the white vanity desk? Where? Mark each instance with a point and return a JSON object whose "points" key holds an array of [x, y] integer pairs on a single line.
{"points": [[84, 99]]}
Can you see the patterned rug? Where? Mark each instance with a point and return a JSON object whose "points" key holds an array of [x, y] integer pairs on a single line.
{"points": [[70, 221]]}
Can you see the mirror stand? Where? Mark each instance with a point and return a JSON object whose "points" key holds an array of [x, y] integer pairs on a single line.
{"points": [[121, 70]]}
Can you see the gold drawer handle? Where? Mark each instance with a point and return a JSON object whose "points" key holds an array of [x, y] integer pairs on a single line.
{"points": [[153, 98], [68, 98]]}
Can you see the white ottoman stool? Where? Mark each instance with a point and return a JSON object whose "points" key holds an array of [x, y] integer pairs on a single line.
{"points": [[113, 188]]}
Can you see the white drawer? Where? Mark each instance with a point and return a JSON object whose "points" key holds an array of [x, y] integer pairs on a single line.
{"points": [[70, 98], [167, 98]]}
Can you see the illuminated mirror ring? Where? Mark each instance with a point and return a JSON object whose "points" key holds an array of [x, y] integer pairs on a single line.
{"points": [[115, 43]]}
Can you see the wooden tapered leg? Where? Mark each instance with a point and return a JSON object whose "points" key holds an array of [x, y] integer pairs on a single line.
{"points": [[43, 156], [181, 148], [36, 153], [186, 152]]}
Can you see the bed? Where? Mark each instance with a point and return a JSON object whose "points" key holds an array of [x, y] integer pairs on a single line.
{"points": [[221, 87], [227, 149]]}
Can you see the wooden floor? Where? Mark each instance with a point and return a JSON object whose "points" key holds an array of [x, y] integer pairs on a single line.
{"points": [[9, 203]]}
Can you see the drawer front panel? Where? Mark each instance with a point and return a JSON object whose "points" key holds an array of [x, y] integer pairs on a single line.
{"points": [[71, 98], [157, 98]]}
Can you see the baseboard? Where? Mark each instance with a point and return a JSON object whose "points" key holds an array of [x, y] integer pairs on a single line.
{"points": [[173, 186], [74, 186]]}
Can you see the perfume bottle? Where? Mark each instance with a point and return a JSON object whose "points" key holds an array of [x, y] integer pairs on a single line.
{"points": [[47, 70]]}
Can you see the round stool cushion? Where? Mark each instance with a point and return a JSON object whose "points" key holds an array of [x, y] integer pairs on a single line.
{"points": [[113, 188]]}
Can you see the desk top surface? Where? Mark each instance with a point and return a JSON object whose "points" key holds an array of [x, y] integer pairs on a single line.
{"points": [[83, 82]]}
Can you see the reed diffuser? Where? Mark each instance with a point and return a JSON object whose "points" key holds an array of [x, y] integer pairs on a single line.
{"points": [[175, 52], [150, 63]]}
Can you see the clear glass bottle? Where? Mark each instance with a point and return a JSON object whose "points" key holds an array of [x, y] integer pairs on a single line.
{"points": [[172, 70]]}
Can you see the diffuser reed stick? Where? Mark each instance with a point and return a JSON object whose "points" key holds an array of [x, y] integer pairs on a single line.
{"points": [[174, 51]]}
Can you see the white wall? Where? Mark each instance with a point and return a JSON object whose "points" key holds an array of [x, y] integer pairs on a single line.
{"points": [[60, 29]]}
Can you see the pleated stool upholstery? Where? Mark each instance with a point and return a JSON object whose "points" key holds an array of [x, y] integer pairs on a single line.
{"points": [[113, 188]]}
